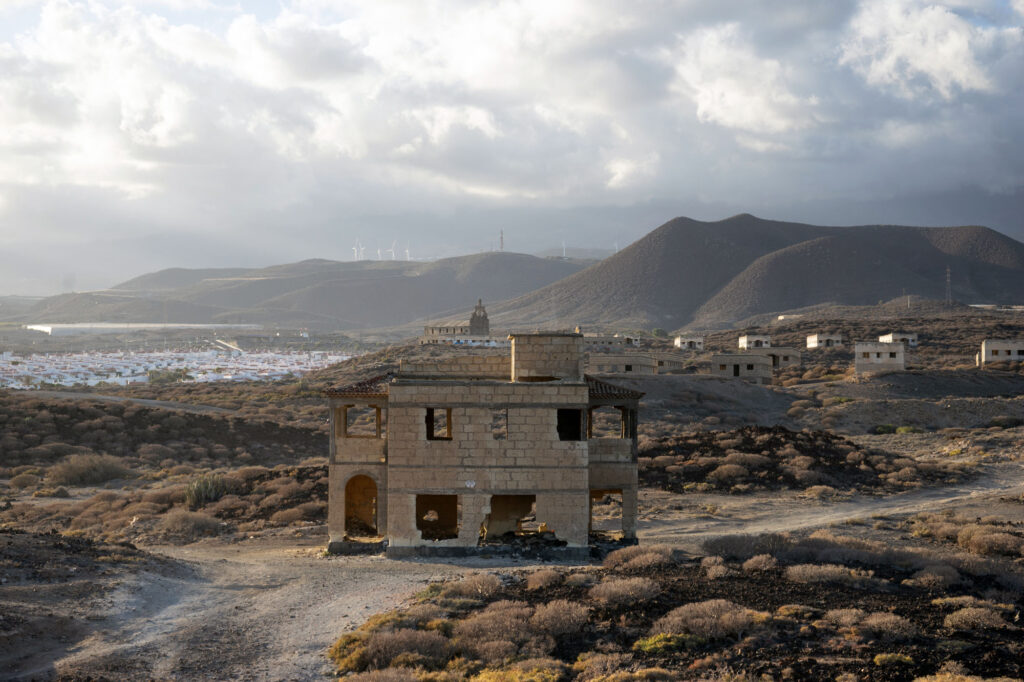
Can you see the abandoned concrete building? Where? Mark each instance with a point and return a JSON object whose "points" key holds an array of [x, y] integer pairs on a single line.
{"points": [[780, 356], [899, 337], [748, 341], [689, 342], [825, 341], [446, 457], [747, 366], [634, 363], [870, 357], [476, 333], [1000, 350]]}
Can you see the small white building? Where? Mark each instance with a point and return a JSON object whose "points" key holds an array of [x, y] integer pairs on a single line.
{"points": [[748, 341], [746, 366], [780, 356], [630, 363], [689, 342], [1000, 350], [899, 337], [825, 341], [870, 357]]}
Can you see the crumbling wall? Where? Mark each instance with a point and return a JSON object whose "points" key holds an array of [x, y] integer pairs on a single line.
{"points": [[544, 356]]}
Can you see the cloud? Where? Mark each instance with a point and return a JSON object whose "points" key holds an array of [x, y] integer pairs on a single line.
{"points": [[912, 48], [256, 122]]}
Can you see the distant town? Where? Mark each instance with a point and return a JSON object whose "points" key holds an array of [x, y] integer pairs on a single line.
{"points": [[125, 367]]}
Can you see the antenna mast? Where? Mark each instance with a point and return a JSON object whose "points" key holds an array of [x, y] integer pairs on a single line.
{"points": [[949, 288]]}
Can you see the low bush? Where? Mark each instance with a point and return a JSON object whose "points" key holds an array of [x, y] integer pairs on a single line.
{"points": [[543, 578], [828, 573], [620, 591], [86, 470], [559, 617], [480, 585], [712, 619], [974, 618], [425, 647], [22, 481], [760, 563], [892, 659], [890, 626], [188, 525], [623, 558]]}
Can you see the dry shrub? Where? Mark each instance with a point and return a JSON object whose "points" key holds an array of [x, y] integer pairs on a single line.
{"points": [[188, 525], [988, 541], [287, 516], [560, 617], [819, 492], [716, 572], [742, 546], [621, 591], [425, 645], [959, 677], [828, 573], [22, 481], [647, 560], [165, 496], [597, 666], [621, 558], [481, 585], [502, 621], [544, 578], [935, 576], [497, 651], [885, 625], [974, 618], [86, 470], [747, 459], [760, 563], [579, 580], [712, 619], [386, 675], [727, 473]]}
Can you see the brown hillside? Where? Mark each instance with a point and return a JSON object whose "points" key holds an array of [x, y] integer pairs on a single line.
{"points": [[712, 274]]}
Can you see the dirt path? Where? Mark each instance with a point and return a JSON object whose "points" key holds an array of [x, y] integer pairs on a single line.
{"points": [[706, 516], [242, 612], [166, 404]]}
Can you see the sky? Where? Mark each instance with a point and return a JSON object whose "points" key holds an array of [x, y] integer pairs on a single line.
{"points": [[202, 133]]}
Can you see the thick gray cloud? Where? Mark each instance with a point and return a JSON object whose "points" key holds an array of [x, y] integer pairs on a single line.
{"points": [[138, 135]]}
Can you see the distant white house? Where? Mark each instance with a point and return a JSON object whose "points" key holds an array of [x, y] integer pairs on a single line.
{"points": [[748, 341], [899, 337], [870, 357], [825, 341], [1000, 350], [689, 342], [746, 366], [633, 363]]}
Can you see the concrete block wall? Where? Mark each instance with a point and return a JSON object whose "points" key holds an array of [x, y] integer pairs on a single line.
{"points": [[338, 476], [557, 355], [475, 366], [473, 464]]}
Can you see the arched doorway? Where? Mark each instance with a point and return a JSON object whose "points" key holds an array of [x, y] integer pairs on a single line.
{"points": [[360, 506]]}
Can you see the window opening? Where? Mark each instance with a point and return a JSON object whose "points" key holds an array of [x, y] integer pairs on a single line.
{"points": [[439, 423], [605, 514], [605, 421], [438, 516], [360, 421], [361, 507], [570, 424]]}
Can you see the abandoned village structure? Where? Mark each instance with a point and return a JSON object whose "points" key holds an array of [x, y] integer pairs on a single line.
{"points": [[443, 456]]}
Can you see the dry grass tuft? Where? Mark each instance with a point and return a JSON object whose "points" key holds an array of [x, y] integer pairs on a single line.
{"points": [[760, 563], [86, 470], [641, 554], [974, 618], [541, 579], [560, 617]]}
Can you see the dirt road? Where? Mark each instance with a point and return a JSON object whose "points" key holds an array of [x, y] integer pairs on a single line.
{"points": [[242, 611]]}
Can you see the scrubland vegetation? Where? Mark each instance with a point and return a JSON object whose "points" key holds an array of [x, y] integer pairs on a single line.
{"points": [[758, 458], [824, 606]]}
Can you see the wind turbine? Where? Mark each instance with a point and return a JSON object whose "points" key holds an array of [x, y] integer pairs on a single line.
{"points": [[378, 253], [392, 249], [362, 250], [355, 251], [407, 251]]}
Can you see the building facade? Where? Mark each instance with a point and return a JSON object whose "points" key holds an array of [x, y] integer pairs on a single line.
{"points": [[689, 342], [445, 457], [1000, 350], [899, 337], [870, 357], [825, 341], [748, 341], [747, 366]]}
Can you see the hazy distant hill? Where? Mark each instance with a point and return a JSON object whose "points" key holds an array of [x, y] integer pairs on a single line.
{"points": [[711, 274], [317, 293]]}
